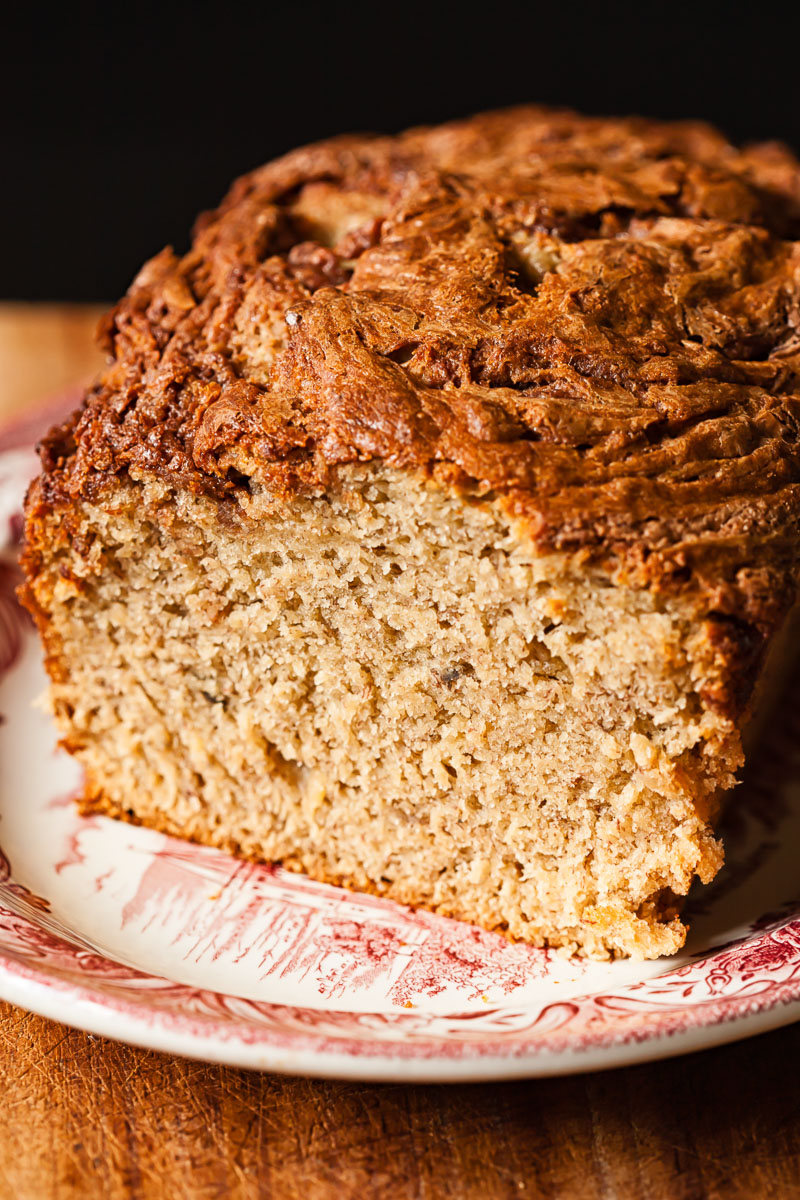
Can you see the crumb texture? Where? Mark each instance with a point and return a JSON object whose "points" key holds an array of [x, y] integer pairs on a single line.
{"points": [[389, 688]]}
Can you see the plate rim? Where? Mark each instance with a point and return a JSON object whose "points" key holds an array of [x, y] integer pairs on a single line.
{"points": [[20, 986]]}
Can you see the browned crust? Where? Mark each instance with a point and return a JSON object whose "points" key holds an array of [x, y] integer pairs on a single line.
{"points": [[638, 401]]}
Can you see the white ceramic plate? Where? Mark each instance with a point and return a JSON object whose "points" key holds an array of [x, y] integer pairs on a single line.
{"points": [[137, 936]]}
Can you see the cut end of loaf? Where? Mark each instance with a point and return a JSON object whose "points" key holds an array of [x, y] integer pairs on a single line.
{"points": [[385, 685]]}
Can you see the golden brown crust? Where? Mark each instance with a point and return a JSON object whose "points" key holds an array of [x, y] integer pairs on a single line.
{"points": [[596, 320]]}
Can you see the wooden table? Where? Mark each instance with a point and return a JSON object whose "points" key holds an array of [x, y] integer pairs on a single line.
{"points": [[84, 1117]]}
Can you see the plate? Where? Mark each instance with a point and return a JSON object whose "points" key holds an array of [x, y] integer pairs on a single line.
{"points": [[137, 936]]}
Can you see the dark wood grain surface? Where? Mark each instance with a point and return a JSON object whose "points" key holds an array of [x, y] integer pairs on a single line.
{"points": [[84, 1117]]}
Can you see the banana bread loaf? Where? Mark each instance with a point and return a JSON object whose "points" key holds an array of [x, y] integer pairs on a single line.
{"points": [[430, 524]]}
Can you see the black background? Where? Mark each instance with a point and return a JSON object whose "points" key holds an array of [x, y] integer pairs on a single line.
{"points": [[121, 123]]}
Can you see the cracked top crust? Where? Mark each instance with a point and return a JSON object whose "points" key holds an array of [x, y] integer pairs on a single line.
{"points": [[596, 321]]}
